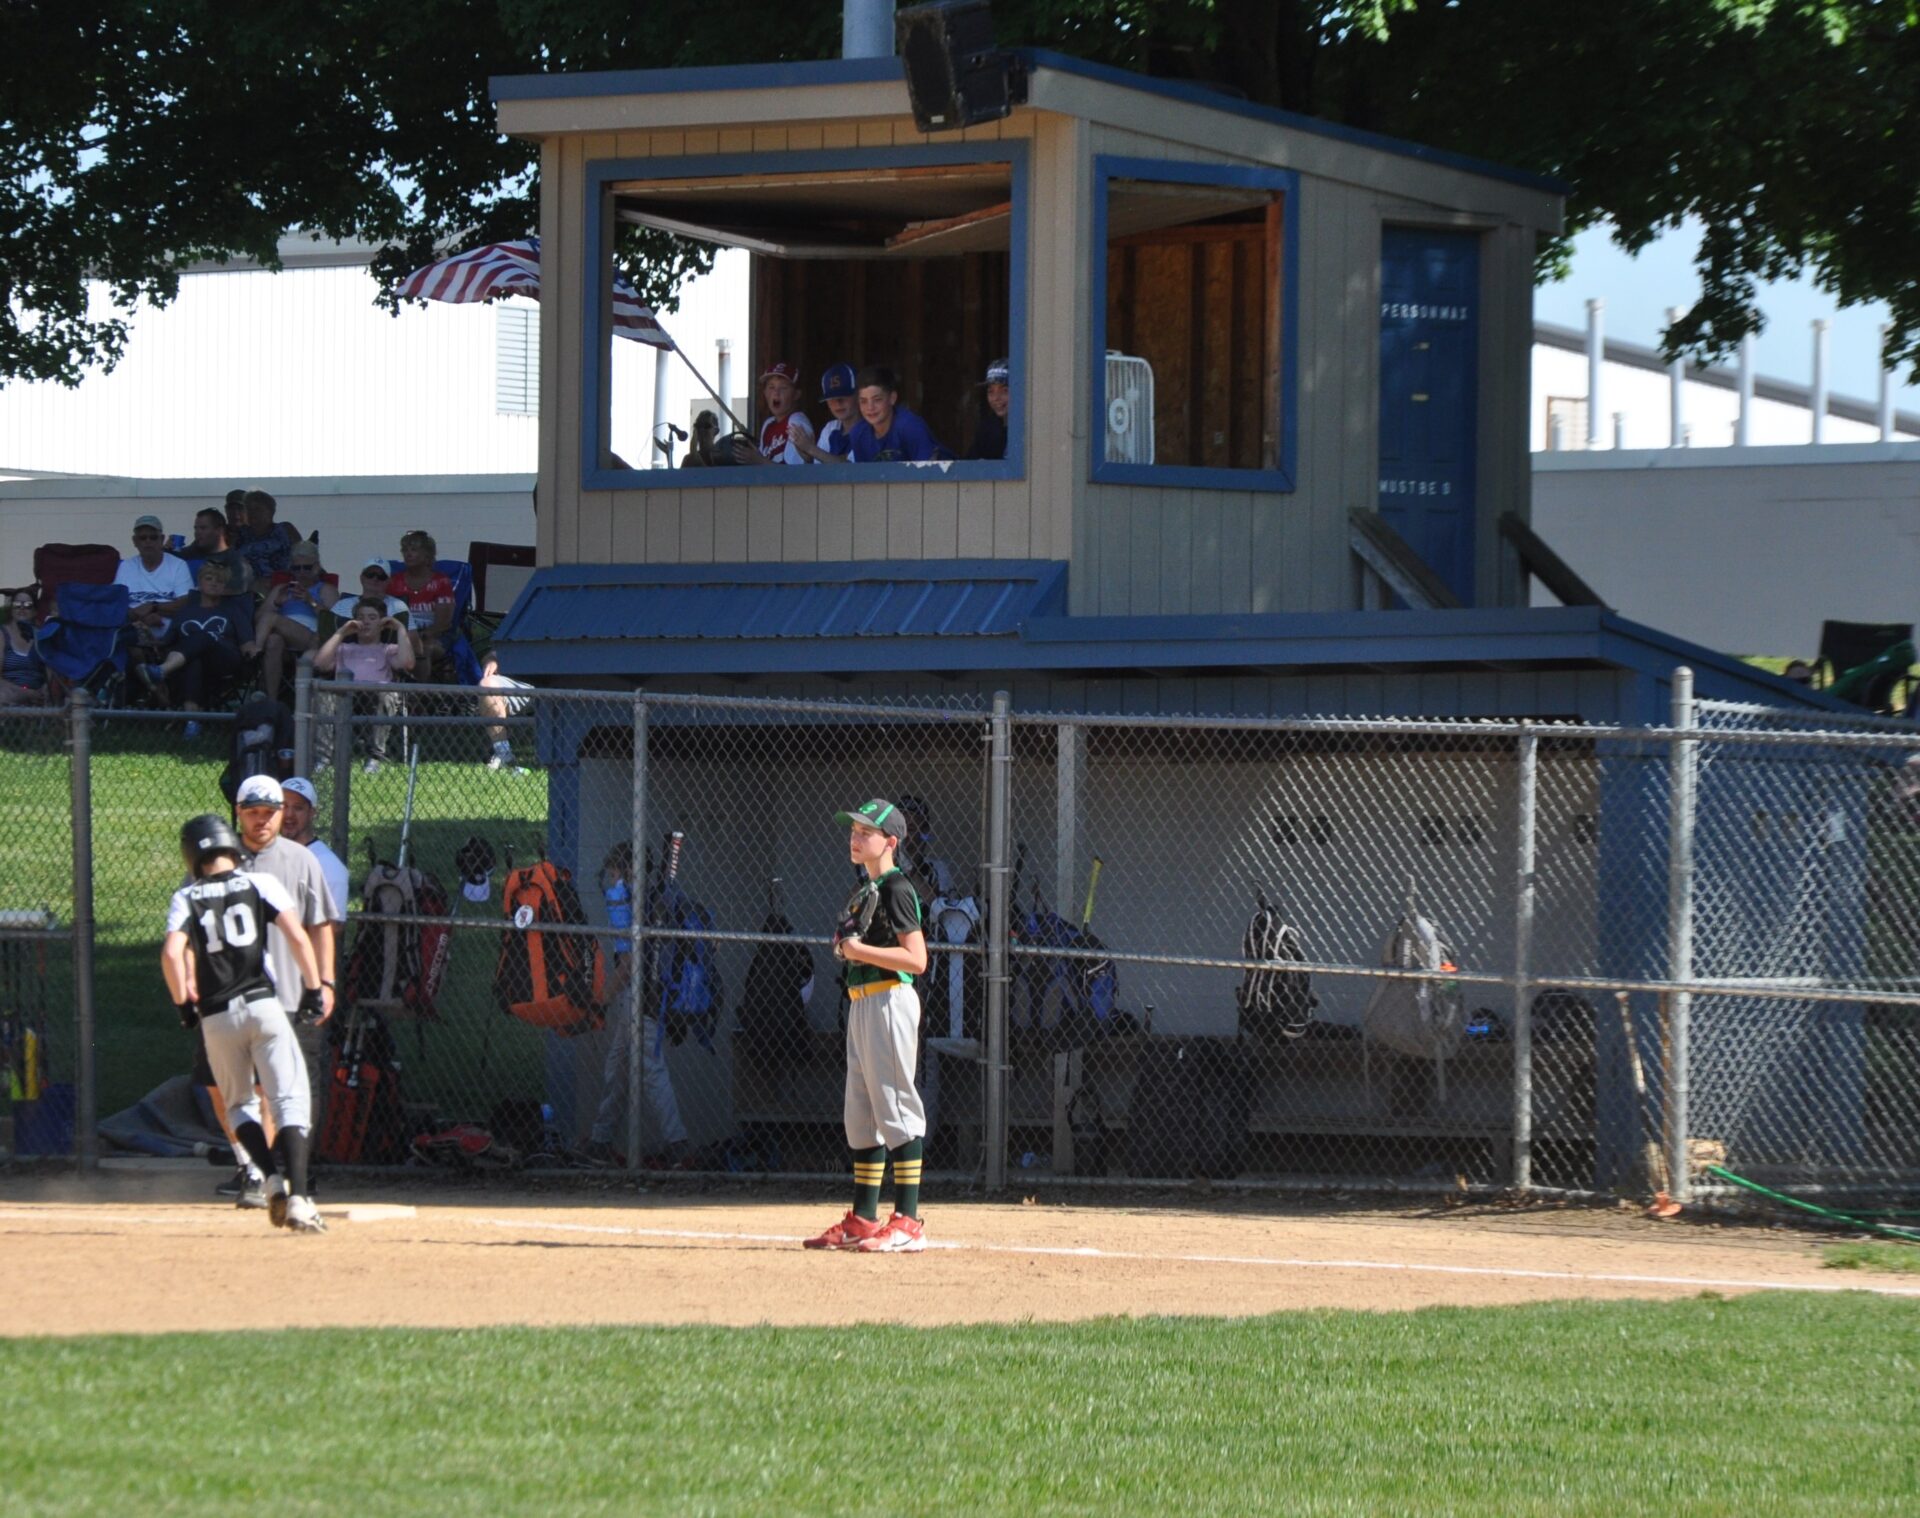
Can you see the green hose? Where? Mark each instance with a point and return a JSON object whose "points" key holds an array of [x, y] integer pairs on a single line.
{"points": [[1905, 1235]]}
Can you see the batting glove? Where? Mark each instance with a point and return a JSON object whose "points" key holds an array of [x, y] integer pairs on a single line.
{"points": [[311, 1009], [189, 1011]]}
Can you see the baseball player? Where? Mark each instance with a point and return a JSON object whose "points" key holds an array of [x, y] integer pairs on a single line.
{"points": [[883, 946], [216, 968]]}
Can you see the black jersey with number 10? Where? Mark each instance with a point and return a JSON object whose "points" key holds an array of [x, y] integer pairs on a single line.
{"points": [[225, 918]]}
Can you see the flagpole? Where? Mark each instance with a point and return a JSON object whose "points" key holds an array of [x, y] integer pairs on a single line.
{"points": [[695, 372]]}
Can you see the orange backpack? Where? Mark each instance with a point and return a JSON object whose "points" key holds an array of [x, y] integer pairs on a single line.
{"points": [[551, 980]]}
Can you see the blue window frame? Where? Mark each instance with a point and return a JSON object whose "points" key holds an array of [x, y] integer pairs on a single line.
{"points": [[602, 174], [1285, 185]]}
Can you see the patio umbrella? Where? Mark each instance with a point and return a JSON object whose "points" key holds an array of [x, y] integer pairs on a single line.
{"points": [[513, 268]]}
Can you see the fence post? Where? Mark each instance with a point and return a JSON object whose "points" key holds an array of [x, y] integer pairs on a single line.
{"points": [[637, 928], [1523, 899], [999, 923], [341, 843], [1682, 766], [303, 715], [80, 774]]}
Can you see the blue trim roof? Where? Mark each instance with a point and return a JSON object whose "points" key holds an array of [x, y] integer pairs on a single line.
{"points": [[987, 616], [845, 71]]}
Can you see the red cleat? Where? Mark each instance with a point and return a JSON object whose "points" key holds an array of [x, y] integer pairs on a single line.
{"points": [[849, 1233], [900, 1236]]}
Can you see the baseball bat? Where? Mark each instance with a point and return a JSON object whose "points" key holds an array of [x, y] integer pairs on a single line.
{"points": [[674, 840], [1093, 884], [1652, 1161]]}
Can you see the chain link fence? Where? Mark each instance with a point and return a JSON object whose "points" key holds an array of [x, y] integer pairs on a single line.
{"points": [[592, 929]]}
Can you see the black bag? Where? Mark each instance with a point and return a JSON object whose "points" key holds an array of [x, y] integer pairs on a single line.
{"points": [[262, 745], [1275, 1005], [773, 1011], [1192, 1101]]}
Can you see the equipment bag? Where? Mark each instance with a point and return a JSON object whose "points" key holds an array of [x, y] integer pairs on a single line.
{"points": [[778, 986], [954, 982], [1423, 1015], [1071, 997], [365, 1122], [683, 983], [1275, 1005], [551, 980], [398, 961]]}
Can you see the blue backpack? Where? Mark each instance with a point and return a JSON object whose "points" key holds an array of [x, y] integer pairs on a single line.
{"points": [[683, 983]]}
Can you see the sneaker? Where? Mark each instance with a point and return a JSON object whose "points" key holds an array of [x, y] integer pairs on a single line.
{"points": [[242, 1181], [303, 1216], [603, 1156], [277, 1197], [900, 1236], [851, 1232], [191, 730], [254, 1194], [371, 767], [147, 677]]}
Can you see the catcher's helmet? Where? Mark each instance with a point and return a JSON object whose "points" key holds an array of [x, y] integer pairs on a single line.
{"points": [[206, 836]]}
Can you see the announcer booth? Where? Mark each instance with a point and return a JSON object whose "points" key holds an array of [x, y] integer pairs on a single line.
{"points": [[1266, 456]]}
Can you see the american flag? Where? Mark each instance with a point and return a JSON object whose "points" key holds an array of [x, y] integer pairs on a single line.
{"points": [[513, 268]]}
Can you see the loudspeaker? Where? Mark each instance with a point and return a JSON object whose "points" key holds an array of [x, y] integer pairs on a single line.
{"points": [[956, 77]]}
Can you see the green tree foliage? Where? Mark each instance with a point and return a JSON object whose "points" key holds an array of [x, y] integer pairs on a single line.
{"points": [[141, 135]]}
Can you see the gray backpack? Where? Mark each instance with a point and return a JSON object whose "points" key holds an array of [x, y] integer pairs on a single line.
{"points": [[1422, 1015]]}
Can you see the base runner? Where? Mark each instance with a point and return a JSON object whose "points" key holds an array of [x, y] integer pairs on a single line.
{"points": [[215, 963], [882, 943]]}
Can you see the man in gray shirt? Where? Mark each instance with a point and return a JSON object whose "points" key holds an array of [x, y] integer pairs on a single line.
{"points": [[260, 806]]}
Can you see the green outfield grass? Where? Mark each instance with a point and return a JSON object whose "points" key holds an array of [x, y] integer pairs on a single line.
{"points": [[147, 780], [1768, 1404]]}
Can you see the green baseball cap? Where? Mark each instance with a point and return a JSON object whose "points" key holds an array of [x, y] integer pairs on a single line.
{"points": [[877, 813]]}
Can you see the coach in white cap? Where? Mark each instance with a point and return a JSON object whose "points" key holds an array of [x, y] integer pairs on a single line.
{"points": [[261, 808], [297, 826]]}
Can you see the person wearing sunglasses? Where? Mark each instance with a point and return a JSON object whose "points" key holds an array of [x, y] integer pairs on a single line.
{"points": [[158, 584], [23, 678], [375, 580], [290, 615]]}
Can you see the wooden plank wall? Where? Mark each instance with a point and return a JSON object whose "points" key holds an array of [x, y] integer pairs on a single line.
{"points": [[812, 521], [936, 322]]}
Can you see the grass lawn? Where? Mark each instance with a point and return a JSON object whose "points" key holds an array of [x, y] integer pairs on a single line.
{"points": [[1768, 1404], [147, 780], [1901, 1258]]}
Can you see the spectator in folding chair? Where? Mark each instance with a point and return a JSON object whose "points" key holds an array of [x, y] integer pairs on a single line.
{"points": [[265, 544], [376, 580], [213, 539], [360, 652], [497, 707], [290, 614], [158, 584], [23, 674], [429, 597], [211, 644]]}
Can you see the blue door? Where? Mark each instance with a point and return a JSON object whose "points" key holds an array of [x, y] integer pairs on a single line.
{"points": [[1429, 314]]}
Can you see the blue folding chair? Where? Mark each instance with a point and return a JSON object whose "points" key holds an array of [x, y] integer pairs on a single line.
{"points": [[85, 641]]}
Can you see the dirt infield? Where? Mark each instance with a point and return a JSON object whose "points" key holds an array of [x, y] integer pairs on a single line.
{"points": [[155, 1252]]}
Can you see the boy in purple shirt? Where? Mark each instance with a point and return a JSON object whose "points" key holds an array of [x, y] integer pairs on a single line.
{"points": [[887, 432]]}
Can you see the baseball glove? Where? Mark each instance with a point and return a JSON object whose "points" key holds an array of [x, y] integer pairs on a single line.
{"points": [[858, 914]]}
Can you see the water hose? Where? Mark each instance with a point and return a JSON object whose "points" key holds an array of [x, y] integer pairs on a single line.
{"points": [[1852, 1220]]}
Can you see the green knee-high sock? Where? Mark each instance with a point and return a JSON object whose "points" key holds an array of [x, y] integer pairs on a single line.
{"points": [[869, 1170], [906, 1177]]}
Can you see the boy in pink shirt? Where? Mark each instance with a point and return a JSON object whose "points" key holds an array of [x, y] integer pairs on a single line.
{"points": [[357, 653]]}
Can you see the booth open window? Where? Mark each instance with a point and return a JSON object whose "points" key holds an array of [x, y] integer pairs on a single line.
{"points": [[909, 258], [1192, 365]]}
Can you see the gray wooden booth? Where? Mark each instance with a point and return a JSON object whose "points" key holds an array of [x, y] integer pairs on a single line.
{"points": [[1228, 329]]}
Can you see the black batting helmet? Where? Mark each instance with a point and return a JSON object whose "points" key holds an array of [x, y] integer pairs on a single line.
{"points": [[205, 836]]}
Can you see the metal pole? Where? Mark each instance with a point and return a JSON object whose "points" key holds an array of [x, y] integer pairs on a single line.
{"points": [[661, 436], [636, 937], [1682, 765], [1819, 398], [340, 843], [999, 914], [866, 29], [303, 715], [1596, 362], [1743, 423], [1619, 430], [1886, 386], [1676, 391], [80, 775], [1523, 901], [724, 348], [1556, 434]]}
